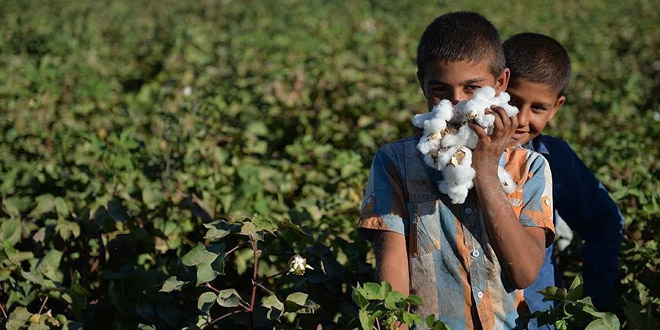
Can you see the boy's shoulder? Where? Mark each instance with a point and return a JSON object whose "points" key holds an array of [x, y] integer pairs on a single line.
{"points": [[399, 147], [550, 145]]}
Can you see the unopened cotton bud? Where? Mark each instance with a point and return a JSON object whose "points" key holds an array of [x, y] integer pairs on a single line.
{"points": [[297, 265]]}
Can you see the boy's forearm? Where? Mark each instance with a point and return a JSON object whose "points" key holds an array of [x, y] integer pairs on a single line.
{"points": [[519, 249], [392, 261]]}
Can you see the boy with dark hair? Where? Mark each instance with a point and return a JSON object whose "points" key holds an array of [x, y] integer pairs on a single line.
{"points": [[540, 73], [467, 262]]}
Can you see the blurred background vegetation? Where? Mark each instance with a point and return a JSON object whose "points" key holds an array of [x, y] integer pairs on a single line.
{"points": [[128, 125]]}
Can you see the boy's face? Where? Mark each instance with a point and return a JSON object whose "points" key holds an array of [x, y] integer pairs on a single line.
{"points": [[537, 104], [457, 81]]}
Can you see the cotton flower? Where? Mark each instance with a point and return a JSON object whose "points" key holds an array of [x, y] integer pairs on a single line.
{"points": [[448, 141], [297, 265]]}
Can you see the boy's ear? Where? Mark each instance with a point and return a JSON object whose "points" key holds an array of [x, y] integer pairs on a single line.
{"points": [[420, 79], [560, 101], [502, 82]]}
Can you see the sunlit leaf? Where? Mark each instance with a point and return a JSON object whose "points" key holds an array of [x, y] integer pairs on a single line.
{"points": [[206, 301], [199, 254]]}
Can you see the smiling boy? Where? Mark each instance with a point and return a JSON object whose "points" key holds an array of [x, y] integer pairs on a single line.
{"points": [[466, 261], [540, 73]]}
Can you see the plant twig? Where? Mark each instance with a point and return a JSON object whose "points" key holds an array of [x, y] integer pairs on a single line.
{"points": [[4, 312], [227, 315], [254, 281], [43, 304], [263, 287], [235, 248]]}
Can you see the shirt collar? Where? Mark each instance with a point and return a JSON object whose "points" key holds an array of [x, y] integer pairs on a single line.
{"points": [[538, 144]]}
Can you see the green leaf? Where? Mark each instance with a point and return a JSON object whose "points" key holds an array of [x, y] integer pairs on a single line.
{"points": [[76, 287], [394, 300], [219, 229], [414, 300], [372, 291], [10, 231], [639, 317], [249, 229], [298, 302], [385, 288], [410, 318], [358, 298], [152, 197], [13, 206], [263, 223], [14, 256], [553, 293], [171, 284], [45, 204], [205, 273], [66, 229], [229, 298], [206, 301], [275, 307], [608, 321], [198, 255], [49, 265], [61, 207], [366, 320]]}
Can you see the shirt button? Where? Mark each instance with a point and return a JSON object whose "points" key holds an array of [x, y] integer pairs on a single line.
{"points": [[480, 294], [468, 210], [547, 202], [475, 253]]}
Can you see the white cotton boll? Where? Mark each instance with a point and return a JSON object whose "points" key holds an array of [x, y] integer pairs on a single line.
{"points": [[448, 141], [457, 193], [435, 125], [484, 94], [431, 162], [444, 110], [427, 144], [419, 119], [451, 140], [467, 137], [502, 100], [444, 156], [485, 121], [462, 175], [505, 179]]}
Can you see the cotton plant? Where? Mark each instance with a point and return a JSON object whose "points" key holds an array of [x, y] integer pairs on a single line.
{"points": [[447, 141]]}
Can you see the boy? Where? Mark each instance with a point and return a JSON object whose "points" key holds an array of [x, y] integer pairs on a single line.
{"points": [[540, 72], [466, 262]]}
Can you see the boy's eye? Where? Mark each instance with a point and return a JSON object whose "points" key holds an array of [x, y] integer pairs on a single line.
{"points": [[538, 108], [472, 88]]}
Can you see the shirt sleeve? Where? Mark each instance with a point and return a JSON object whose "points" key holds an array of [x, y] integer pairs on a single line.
{"points": [[384, 205], [532, 201]]}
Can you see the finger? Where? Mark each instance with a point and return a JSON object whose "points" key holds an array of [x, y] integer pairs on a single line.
{"points": [[508, 127], [478, 130], [498, 124]]}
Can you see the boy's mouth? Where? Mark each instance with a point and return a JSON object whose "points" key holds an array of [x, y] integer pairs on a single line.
{"points": [[519, 134]]}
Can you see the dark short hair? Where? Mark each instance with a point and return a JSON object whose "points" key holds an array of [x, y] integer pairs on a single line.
{"points": [[461, 36], [539, 59]]}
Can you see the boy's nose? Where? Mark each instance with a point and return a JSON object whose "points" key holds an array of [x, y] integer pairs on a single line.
{"points": [[458, 96], [523, 116]]}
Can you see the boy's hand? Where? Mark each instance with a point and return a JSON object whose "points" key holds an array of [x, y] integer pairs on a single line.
{"points": [[489, 149]]}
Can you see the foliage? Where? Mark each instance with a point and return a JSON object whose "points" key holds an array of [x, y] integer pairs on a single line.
{"points": [[382, 308], [135, 134], [209, 263], [573, 311]]}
